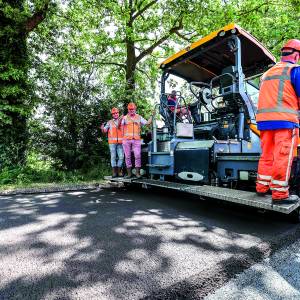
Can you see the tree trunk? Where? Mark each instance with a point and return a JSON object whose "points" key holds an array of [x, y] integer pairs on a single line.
{"points": [[130, 72], [13, 87]]}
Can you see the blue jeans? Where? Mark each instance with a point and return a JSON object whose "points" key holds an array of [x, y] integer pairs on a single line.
{"points": [[116, 150]]}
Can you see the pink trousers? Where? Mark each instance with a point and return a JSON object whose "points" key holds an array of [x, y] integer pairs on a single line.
{"points": [[135, 146]]}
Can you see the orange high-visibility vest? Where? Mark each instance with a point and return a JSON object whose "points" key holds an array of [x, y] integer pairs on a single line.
{"points": [[132, 127], [277, 97], [115, 133]]}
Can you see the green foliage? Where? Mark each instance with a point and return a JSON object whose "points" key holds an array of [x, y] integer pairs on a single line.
{"points": [[273, 23], [15, 95], [58, 83], [13, 65], [39, 169], [69, 121]]}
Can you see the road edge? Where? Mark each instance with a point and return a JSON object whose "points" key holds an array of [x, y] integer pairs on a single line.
{"points": [[55, 188]]}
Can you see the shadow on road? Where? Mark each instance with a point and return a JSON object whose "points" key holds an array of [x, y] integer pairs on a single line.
{"points": [[116, 244]]}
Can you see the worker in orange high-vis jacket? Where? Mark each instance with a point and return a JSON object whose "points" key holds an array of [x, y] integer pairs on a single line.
{"points": [[277, 119], [115, 139], [132, 123]]}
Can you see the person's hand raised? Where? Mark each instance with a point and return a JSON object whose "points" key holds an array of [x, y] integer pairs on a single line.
{"points": [[102, 127]]}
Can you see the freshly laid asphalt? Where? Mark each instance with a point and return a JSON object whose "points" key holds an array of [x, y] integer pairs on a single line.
{"points": [[275, 278], [124, 244]]}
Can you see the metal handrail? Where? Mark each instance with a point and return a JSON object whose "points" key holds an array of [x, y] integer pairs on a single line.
{"points": [[218, 77], [166, 111], [154, 128], [198, 97], [186, 106]]}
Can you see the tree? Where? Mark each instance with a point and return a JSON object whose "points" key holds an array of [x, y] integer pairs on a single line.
{"points": [[272, 23], [17, 19], [72, 101], [124, 40], [130, 36], [69, 123]]}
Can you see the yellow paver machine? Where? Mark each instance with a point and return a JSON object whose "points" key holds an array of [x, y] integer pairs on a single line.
{"points": [[210, 146]]}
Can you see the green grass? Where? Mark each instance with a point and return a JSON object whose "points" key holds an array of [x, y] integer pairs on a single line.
{"points": [[41, 173]]}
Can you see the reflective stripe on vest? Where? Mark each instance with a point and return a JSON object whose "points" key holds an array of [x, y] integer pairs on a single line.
{"points": [[132, 127], [278, 101], [115, 134]]}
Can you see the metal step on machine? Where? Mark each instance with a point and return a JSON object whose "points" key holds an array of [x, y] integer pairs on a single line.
{"points": [[207, 192]]}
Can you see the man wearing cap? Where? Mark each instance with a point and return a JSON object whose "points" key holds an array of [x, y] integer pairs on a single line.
{"points": [[115, 139], [132, 123], [277, 119], [172, 101]]}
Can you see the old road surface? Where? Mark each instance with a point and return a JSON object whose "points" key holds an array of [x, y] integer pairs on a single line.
{"points": [[123, 244]]}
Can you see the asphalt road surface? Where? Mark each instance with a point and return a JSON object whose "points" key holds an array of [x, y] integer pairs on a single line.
{"points": [[124, 244], [275, 278]]}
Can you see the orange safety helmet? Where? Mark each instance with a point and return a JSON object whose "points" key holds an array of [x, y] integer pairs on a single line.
{"points": [[131, 105], [114, 110], [291, 45]]}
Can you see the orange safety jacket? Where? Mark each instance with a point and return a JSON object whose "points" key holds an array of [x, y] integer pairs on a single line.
{"points": [[115, 133], [132, 127], [277, 97]]}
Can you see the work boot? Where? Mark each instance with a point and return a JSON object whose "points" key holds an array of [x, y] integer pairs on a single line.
{"points": [[289, 200], [120, 173], [137, 173], [129, 173], [261, 194], [114, 172]]}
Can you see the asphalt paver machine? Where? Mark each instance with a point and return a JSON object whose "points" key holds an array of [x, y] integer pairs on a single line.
{"points": [[210, 146]]}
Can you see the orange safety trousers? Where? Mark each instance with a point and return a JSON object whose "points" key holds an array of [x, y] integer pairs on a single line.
{"points": [[274, 167]]}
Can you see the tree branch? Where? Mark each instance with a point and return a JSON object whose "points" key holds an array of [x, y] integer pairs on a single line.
{"points": [[149, 50], [143, 40], [145, 73], [111, 63], [253, 9], [184, 36], [139, 4], [36, 18], [140, 12]]}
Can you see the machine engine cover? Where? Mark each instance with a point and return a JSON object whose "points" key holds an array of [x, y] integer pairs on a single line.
{"points": [[192, 162]]}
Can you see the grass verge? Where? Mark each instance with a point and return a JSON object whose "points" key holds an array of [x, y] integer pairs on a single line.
{"points": [[41, 174]]}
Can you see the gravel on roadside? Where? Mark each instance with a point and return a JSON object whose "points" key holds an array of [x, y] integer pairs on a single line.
{"points": [[53, 188]]}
